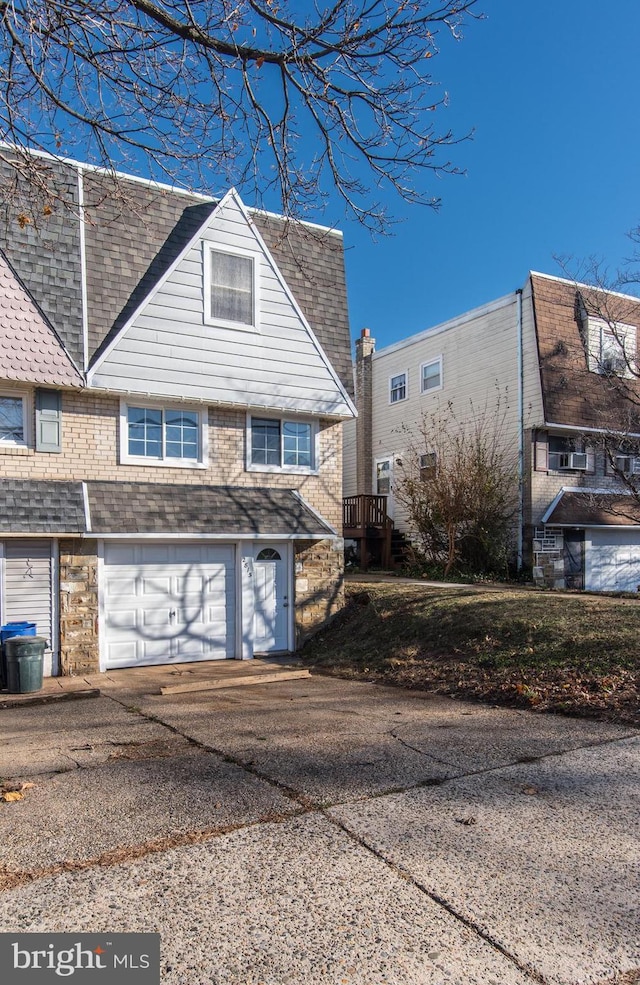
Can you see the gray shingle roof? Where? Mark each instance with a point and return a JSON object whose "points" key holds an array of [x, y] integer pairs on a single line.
{"points": [[132, 233], [50, 507], [28, 507], [29, 349], [588, 509], [160, 508]]}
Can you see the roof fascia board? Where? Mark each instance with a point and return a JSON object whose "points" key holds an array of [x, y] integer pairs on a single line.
{"points": [[428, 333], [552, 506], [588, 430], [587, 287], [231, 404], [229, 538]]}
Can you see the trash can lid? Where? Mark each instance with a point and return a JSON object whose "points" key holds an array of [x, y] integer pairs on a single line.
{"points": [[27, 640]]}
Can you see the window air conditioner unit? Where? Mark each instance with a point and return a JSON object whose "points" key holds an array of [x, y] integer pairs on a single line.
{"points": [[577, 460]]}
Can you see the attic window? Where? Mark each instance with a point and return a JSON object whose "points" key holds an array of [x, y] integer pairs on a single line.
{"points": [[230, 288], [611, 347]]}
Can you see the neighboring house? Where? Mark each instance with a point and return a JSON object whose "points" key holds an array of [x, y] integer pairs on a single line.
{"points": [[558, 358], [174, 375]]}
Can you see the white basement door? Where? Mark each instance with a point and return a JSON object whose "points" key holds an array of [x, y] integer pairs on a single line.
{"points": [[612, 560], [168, 603]]}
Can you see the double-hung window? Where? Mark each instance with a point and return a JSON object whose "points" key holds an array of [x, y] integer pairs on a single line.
{"points": [[431, 376], [397, 388], [281, 444], [162, 435], [13, 420], [230, 288]]}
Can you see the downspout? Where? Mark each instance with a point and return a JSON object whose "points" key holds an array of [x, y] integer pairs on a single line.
{"points": [[519, 546]]}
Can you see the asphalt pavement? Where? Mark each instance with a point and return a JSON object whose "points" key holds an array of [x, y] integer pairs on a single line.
{"points": [[325, 832]]}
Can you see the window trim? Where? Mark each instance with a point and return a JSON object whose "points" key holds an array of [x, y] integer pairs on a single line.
{"points": [[26, 419], [394, 376], [211, 248], [313, 469], [423, 366], [165, 463]]}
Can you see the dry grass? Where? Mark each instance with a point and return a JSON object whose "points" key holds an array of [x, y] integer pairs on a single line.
{"points": [[565, 653]]}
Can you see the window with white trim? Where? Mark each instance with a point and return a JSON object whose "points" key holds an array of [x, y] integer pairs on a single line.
{"points": [[14, 425], [431, 376], [428, 463], [162, 435], [230, 287], [567, 454], [397, 388], [611, 347], [276, 444]]}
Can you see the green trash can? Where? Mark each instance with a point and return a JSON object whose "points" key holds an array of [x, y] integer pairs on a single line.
{"points": [[24, 656]]}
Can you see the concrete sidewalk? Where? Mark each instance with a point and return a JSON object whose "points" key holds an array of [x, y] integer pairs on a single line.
{"points": [[324, 831]]}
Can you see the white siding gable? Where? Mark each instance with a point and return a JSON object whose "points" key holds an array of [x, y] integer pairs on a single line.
{"points": [[171, 348]]}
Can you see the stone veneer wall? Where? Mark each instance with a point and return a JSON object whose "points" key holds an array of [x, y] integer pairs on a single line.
{"points": [[79, 653], [319, 585]]}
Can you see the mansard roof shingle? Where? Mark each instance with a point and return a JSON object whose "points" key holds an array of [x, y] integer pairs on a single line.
{"points": [[30, 351]]}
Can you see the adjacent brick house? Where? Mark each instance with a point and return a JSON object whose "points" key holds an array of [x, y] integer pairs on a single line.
{"points": [[561, 358], [175, 373]]}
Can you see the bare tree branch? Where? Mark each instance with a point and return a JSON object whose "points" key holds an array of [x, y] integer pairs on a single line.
{"points": [[219, 92]]}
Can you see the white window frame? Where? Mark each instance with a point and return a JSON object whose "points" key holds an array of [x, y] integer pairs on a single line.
{"points": [[395, 376], [428, 462], [614, 341], [423, 366], [313, 469], [26, 419], [201, 462], [209, 250]]}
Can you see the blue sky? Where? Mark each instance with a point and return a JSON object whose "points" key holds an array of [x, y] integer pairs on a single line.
{"points": [[552, 91]]}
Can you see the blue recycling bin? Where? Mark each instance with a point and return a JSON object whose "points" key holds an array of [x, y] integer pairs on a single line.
{"points": [[6, 632]]}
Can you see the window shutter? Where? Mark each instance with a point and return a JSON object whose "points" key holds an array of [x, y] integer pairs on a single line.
{"points": [[48, 420], [541, 453], [591, 459]]}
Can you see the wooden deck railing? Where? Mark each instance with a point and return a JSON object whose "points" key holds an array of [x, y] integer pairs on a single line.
{"points": [[363, 512]]}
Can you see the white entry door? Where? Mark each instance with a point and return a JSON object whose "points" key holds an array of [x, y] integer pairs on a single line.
{"points": [[167, 603], [271, 602]]}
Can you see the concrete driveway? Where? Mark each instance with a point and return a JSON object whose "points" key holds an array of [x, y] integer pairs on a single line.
{"points": [[323, 831]]}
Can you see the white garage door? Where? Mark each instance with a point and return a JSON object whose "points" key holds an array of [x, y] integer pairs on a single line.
{"points": [[168, 603], [612, 560]]}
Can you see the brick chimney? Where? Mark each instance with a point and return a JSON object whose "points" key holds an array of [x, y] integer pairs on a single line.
{"points": [[365, 347]]}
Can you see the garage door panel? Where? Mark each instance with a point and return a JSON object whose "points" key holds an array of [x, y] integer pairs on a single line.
{"points": [[168, 602], [613, 561]]}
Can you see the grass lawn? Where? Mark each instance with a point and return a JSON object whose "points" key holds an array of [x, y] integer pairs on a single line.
{"points": [[553, 652]]}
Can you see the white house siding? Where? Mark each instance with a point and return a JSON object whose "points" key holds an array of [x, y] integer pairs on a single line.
{"points": [[27, 594], [479, 370], [169, 348]]}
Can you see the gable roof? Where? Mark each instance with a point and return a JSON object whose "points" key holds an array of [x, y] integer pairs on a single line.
{"points": [[130, 229], [30, 351], [572, 395], [168, 342]]}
